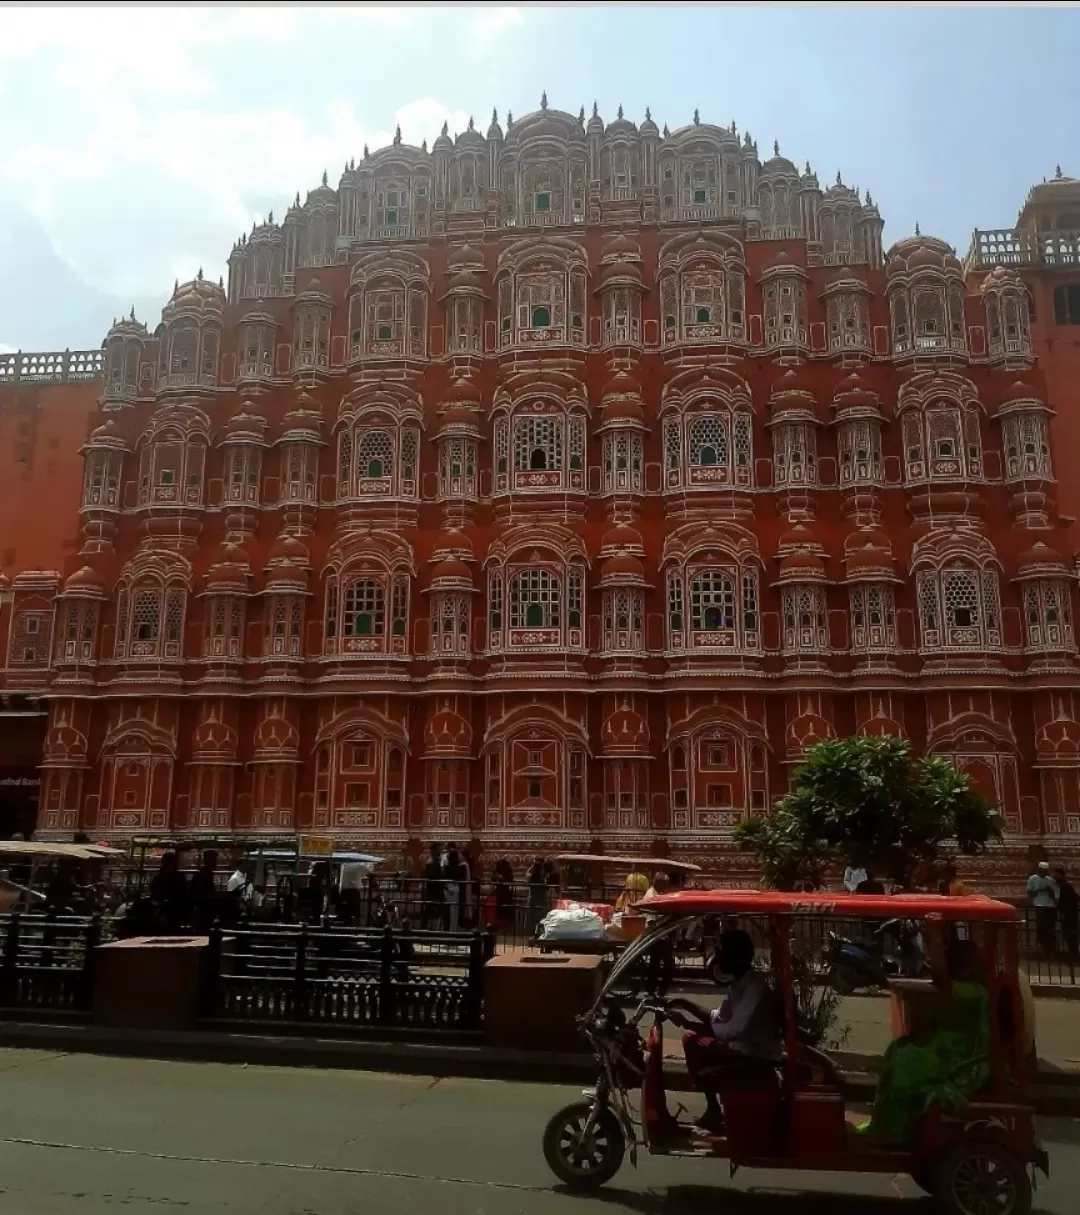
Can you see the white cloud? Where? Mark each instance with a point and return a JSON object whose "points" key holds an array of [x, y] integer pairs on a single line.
{"points": [[493, 21], [142, 141]]}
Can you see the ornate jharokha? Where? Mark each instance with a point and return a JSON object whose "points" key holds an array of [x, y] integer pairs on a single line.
{"points": [[556, 485]]}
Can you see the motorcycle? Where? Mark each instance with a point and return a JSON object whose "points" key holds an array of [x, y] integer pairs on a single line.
{"points": [[855, 965]]}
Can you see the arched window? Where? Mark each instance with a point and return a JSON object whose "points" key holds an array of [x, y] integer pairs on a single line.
{"points": [[1027, 446], [942, 444], [712, 602], [804, 621], [1048, 615], [959, 608], [363, 609], [375, 456], [723, 606], [535, 600], [708, 441], [150, 621], [873, 618], [538, 443]]}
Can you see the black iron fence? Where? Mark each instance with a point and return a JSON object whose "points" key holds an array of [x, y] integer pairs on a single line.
{"points": [[353, 979], [47, 965]]}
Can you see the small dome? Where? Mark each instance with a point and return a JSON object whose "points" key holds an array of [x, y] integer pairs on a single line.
{"points": [[85, 579], [289, 549], [920, 252], [458, 420], [620, 245], [869, 538], [802, 567], [778, 165], [1040, 558], [451, 570], [621, 384], [625, 409], [443, 142], [798, 537], [465, 257], [621, 539], [457, 280], [620, 270], [792, 381], [463, 392], [454, 545], [622, 567], [648, 127]]}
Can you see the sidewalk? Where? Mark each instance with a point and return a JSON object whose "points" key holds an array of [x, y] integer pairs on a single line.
{"points": [[1055, 1090]]}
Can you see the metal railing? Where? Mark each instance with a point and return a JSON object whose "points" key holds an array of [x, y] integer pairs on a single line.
{"points": [[47, 965], [352, 979]]}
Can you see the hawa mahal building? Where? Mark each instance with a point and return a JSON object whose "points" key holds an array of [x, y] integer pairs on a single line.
{"points": [[551, 488]]}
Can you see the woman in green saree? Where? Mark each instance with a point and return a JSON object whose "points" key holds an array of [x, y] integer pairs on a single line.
{"points": [[943, 1068]]}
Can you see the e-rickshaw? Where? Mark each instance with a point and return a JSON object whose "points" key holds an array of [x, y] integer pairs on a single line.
{"points": [[976, 1158], [22, 896]]}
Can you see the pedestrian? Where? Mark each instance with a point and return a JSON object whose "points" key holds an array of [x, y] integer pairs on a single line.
{"points": [[951, 883], [1043, 893], [452, 883], [204, 891], [431, 890], [169, 894], [504, 892], [1069, 911], [537, 894]]}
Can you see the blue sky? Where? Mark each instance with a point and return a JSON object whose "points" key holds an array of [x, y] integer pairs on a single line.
{"points": [[138, 143]]}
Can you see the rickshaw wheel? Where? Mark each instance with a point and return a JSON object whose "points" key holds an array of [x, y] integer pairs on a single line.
{"points": [[981, 1178], [580, 1160]]}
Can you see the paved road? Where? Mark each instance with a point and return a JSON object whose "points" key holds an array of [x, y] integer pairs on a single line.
{"points": [[81, 1135]]}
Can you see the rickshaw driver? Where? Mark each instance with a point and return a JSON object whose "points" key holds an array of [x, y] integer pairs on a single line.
{"points": [[737, 1044]]}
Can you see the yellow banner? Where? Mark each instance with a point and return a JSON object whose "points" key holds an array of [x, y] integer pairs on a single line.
{"points": [[316, 845]]}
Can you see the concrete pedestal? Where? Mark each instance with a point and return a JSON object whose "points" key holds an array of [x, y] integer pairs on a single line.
{"points": [[532, 1001], [149, 982]]}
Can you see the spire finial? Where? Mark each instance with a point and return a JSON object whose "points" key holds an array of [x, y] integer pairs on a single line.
{"points": [[697, 117], [200, 274], [595, 112], [297, 202], [581, 116], [509, 119], [1057, 172], [132, 311], [270, 218], [838, 181], [918, 230], [397, 134], [543, 100], [446, 126], [776, 147], [423, 144], [494, 115], [667, 133], [472, 125], [365, 152], [648, 114], [619, 112], [869, 200]]}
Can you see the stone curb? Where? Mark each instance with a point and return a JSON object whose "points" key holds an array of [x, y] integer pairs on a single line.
{"points": [[1055, 1092]]}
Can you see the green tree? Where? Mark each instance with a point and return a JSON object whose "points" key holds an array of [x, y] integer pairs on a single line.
{"points": [[867, 801]]}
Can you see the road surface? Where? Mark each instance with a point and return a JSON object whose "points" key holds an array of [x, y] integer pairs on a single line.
{"points": [[85, 1135]]}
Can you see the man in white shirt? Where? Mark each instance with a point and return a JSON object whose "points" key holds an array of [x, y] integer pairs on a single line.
{"points": [[1043, 891], [738, 1043], [854, 876]]}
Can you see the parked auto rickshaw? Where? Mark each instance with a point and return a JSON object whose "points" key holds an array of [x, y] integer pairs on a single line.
{"points": [[26, 895], [976, 1157]]}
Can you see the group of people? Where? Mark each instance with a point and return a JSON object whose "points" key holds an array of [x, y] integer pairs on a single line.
{"points": [[455, 894]]}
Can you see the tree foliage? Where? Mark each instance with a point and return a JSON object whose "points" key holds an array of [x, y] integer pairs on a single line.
{"points": [[868, 802]]}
